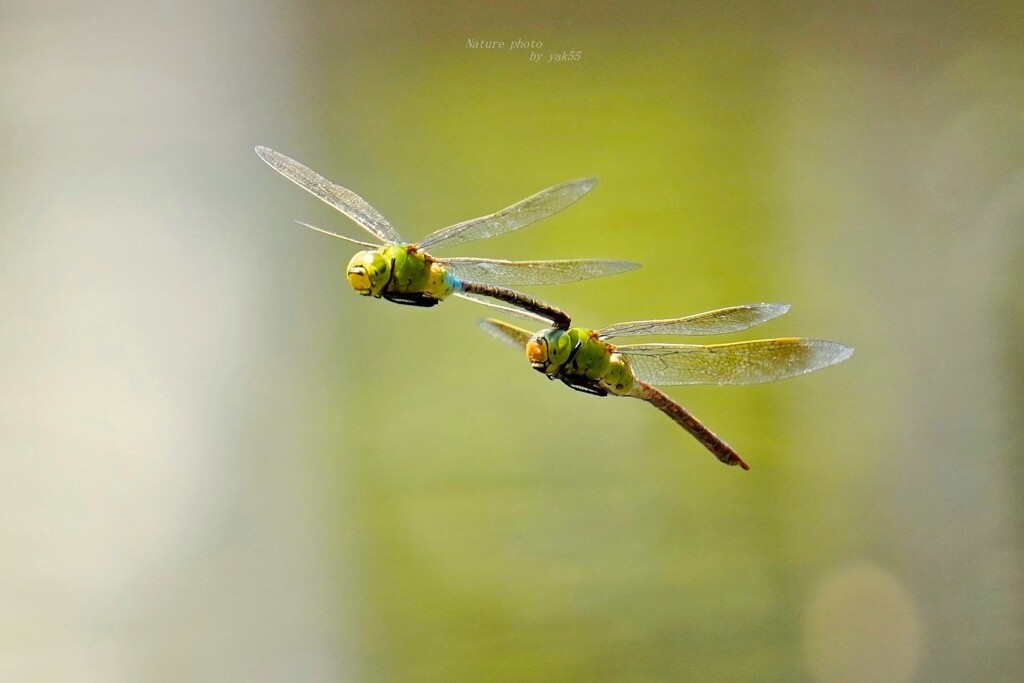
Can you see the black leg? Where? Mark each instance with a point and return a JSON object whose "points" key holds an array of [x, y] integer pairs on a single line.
{"points": [[587, 386], [412, 299]]}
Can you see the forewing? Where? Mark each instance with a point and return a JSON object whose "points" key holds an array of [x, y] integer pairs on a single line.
{"points": [[338, 235], [494, 272], [722, 321], [510, 334], [341, 198], [749, 362], [541, 205]]}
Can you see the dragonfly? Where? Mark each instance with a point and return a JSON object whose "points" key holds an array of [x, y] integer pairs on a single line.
{"points": [[584, 360], [405, 273]]}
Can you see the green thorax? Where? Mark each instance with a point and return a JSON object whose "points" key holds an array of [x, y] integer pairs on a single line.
{"points": [[578, 353], [409, 269], [398, 269]]}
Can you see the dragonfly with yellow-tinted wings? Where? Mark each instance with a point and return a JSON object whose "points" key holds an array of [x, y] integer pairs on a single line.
{"points": [[584, 360]]}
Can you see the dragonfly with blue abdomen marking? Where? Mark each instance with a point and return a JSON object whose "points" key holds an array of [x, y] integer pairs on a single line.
{"points": [[405, 273]]}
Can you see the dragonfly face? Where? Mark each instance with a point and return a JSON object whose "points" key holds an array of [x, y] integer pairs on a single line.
{"points": [[574, 353], [547, 351], [369, 272]]}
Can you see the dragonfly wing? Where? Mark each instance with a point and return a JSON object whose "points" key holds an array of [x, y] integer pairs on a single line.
{"points": [[510, 310], [341, 198], [722, 321], [541, 205], [338, 235], [749, 362], [494, 272], [510, 334]]}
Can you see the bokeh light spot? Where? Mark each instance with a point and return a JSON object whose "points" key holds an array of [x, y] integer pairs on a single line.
{"points": [[861, 625]]}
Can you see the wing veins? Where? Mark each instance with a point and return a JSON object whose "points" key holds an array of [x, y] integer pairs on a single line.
{"points": [[541, 205], [747, 362], [341, 198], [338, 235], [499, 272], [720, 321], [510, 334]]}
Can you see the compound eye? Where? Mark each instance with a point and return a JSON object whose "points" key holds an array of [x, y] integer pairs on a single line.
{"points": [[537, 351]]}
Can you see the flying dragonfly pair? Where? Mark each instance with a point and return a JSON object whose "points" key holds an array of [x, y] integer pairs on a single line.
{"points": [[581, 358]]}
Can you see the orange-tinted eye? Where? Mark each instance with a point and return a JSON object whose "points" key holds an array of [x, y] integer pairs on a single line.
{"points": [[536, 351]]}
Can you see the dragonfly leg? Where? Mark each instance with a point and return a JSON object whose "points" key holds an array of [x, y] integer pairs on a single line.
{"points": [[559, 318], [421, 299], [412, 299], [585, 386], [720, 449]]}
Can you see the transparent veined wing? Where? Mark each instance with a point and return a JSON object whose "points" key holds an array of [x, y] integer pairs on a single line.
{"points": [[509, 310], [341, 198], [748, 362], [721, 321], [338, 235], [510, 334], [495, 272], [541, 205]]}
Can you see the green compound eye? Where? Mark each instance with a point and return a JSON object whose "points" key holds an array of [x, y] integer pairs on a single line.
{"points": [[559, 346]]}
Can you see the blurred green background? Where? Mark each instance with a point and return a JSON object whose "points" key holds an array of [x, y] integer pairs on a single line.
{"points": [[219, 463]]}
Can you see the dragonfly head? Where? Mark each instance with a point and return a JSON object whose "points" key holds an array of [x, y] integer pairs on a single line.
{"points": [[548, 350], [537, 352], [369, 273]]}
